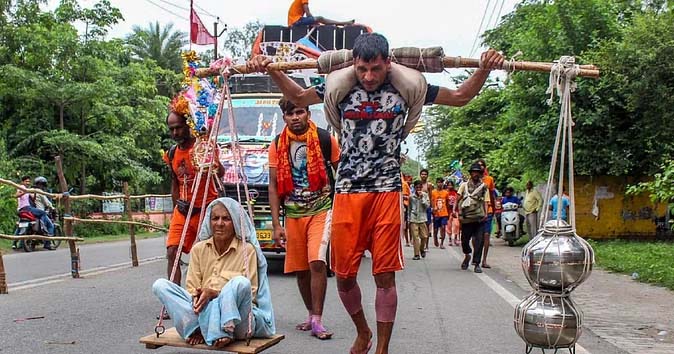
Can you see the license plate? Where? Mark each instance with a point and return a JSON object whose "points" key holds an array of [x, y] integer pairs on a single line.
{"points": [[263, 235], [23, 224]]}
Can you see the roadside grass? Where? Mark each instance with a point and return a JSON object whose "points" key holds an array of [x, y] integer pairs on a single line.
{"points": [[6, 245], [652, 261]]}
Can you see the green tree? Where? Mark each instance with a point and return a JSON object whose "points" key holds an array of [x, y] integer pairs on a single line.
{"points": [[238, 42], [81, 97], [161, 44], [623, 121]]}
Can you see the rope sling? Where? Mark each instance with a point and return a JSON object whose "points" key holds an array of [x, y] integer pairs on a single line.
{"points": [[562, 82], [205, 164]]}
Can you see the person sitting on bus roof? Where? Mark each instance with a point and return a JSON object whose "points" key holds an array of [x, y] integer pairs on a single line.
{"points": [[300, 8]]}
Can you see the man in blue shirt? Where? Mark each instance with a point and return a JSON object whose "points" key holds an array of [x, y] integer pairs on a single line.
{"points": [[509, 197], [554, 206]]}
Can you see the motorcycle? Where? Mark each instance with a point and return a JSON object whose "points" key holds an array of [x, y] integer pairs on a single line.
{"points": [[28, 224], [510, 223]]}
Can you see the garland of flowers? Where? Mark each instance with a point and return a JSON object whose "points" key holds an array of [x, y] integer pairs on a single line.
{"points": [[198, 98]]}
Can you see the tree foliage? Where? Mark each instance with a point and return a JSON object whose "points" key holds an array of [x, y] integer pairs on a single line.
{"points": [[80, 96], [238, 42], [623, 121], [161, 44]]}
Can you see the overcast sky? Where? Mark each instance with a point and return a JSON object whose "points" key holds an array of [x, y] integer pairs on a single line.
{"points": [[452, 24]]}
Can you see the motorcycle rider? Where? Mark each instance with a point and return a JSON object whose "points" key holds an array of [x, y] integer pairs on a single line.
{"points": [[509, 197], [27, 204], [23, 201]]}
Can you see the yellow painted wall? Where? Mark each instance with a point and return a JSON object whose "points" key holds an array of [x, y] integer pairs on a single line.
{"points": [[619, 215]]}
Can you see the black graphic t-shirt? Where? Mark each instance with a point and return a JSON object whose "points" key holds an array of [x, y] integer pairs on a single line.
{"points": [[372, 130]]}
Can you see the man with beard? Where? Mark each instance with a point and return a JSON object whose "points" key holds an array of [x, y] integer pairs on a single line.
{"points": [[184, 173]]}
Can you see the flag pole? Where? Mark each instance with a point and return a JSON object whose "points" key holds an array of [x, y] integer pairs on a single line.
{"points": [[191, 20]]}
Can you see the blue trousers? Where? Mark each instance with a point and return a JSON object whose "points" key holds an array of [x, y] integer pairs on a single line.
{"points": [[231, 307], [44, 219]]}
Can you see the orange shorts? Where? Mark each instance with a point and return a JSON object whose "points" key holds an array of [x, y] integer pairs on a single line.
{"points": [[176, 230], [306, 241], [366, 221]]}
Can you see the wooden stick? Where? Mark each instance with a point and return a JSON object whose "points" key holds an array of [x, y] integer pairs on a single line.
{"points": [[41, 238], [3, 277], [104, 221], [448, 62], [132, 227], [79, 197], [68, 227]]}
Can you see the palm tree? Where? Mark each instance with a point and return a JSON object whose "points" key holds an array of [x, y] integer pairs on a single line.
{"points": [[162, 45]]}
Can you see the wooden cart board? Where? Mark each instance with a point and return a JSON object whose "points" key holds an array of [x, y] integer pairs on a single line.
{"points": [[172, 339]]}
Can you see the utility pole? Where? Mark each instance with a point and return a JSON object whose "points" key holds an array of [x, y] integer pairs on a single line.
{"points": [[216, 34]]}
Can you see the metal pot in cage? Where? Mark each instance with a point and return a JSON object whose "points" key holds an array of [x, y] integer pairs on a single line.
{"points": [[557, 260], [548, 321]]}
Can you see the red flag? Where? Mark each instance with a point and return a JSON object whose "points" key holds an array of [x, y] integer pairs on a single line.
{"points": [[198, 32]]}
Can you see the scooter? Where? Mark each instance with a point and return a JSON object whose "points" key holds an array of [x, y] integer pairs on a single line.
{"points": [[510, 223], [28, 224]]}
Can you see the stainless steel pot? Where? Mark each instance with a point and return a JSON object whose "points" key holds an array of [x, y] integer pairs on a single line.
{"points": [[557, 260], [548, 321]]}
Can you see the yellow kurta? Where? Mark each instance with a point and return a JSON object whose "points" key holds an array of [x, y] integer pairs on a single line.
{"points": [[208, 269]]}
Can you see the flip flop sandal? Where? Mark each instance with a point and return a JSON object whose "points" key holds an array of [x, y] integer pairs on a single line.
{"points": [[318, 331], [321, 333]]}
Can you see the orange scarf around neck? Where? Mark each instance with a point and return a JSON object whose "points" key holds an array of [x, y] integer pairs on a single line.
{"points": [[317, 174]]}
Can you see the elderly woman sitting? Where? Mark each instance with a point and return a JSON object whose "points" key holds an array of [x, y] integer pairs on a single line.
{"points": [[226, 282]]}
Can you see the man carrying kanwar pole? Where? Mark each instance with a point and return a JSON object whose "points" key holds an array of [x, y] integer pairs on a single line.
{"points": [[179, 159], [301, 163], [373, 117], [299, 8]]}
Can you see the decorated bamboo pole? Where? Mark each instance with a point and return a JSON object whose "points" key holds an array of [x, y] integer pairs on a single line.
{"points": [[448, 62], [68, 226], [132, 227]]}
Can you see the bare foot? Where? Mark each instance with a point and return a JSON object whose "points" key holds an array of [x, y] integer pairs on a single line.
{"points": [[223, 342], [363, 343], [304, 326], [196, 338]]}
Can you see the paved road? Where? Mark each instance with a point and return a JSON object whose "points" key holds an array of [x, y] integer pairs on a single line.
{"points": [[25, 268], [441, 310]]}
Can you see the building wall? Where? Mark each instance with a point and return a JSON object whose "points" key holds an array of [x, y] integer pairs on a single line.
{"points": [[618, 215]]}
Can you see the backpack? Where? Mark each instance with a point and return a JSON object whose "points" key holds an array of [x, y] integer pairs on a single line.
{"points": [[472, 209], [325, 142]]}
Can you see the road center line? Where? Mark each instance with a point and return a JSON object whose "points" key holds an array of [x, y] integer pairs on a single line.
{"points": [[504, 293], [27, 284]]}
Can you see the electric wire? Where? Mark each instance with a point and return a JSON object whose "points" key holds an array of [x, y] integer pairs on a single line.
{"points": [[498, 17], [479, 30], [487, 26], [167, 10]]}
